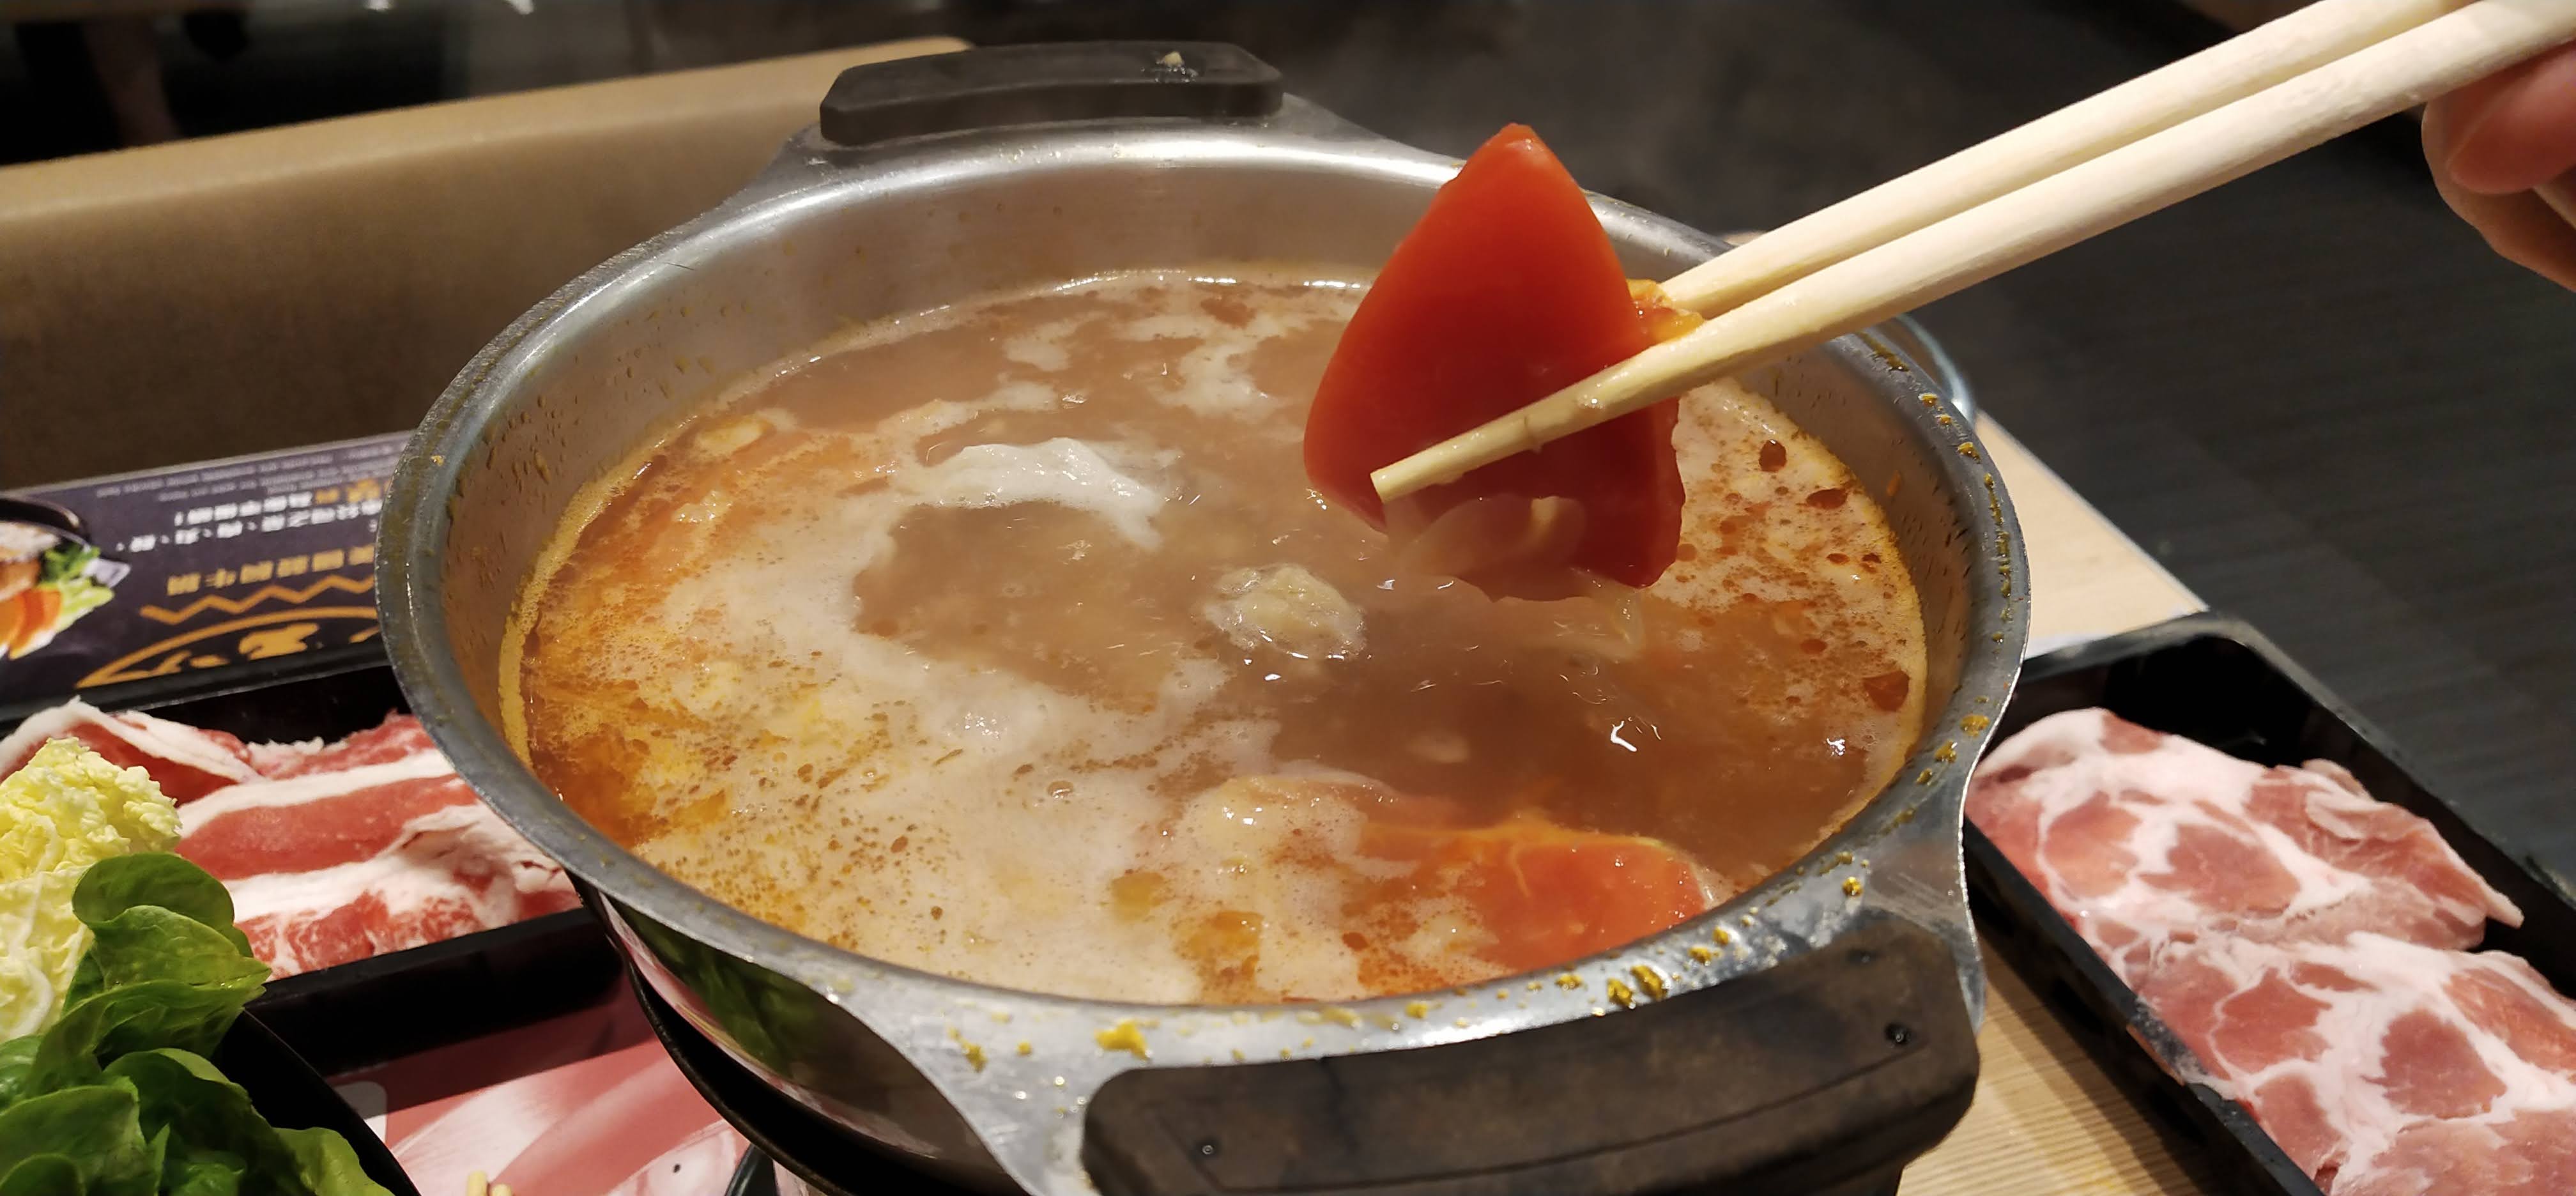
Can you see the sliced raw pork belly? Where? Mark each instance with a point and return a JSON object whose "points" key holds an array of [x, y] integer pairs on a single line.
{"points": [[188, 763], [398, 737], [368, 845], [2143, 839], [2386, 1068], [332, 851]]}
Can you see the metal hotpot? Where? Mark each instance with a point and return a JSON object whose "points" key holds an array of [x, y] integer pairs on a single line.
{"points": [[1811, 1036]]}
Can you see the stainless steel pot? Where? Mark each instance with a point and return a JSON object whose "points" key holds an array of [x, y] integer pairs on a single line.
{"points": [[1810, 1036]]}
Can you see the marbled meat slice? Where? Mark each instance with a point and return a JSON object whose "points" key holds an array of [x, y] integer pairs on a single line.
{"points": [[2143, 840], [2386, 1068], [395, 739], [332, 851], [187, 762], [2307, 944], [370, 845]]}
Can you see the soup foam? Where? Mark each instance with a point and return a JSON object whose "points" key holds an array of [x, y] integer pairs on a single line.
{"points": [[1007, 642]]}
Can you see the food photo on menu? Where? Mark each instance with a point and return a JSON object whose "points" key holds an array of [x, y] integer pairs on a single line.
{"points": [[48, 577], [1115, 599]]}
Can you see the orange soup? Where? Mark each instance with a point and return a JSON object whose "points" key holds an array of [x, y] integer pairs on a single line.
{"points": [[1008, 641]]}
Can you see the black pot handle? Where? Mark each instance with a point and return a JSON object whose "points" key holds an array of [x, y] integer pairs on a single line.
{"points": [[1043, 82], [1822, 1074]]}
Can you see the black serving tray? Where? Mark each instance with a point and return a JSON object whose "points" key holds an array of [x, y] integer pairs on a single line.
{"points": [[291, 1095], [2216, 680], [382, 1008]]}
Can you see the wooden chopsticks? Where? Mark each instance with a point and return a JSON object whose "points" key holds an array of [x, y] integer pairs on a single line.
{"points": [[2100, 163]]}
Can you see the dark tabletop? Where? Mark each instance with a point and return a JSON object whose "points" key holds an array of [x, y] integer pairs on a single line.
{"points": [[2312, 394]]}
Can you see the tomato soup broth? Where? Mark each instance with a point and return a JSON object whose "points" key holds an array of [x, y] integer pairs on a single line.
{"points": [[1008, 641]]}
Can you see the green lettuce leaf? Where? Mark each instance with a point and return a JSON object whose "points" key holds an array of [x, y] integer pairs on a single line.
{"points": [[166, 967], [326, 1164], [155, 916], [95, 1130], [43, 1175], [128, 1018], [17, 1070], [116, 1098], [215, 1137]]}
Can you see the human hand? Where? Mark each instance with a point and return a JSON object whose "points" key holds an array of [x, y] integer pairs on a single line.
{"points": [[2503, 152]]}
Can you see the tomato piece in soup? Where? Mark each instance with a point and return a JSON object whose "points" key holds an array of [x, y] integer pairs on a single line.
{"points": [[1507, 291], [1549, 893]]}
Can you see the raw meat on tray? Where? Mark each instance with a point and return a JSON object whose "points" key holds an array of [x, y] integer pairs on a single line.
{"points": [[332, 852], [187, 762], [2309, 944], [2144, 839], [2386, 1067]]}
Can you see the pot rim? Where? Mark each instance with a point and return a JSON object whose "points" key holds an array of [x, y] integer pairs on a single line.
{"points": [[444, 451]]}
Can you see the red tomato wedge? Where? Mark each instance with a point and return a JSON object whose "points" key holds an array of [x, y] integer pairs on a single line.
{"points": [[1549, 893], [1506, 292]]}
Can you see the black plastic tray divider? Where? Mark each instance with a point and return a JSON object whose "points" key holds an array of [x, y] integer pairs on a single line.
{"points": [[2216, 680], [382, 1008]]}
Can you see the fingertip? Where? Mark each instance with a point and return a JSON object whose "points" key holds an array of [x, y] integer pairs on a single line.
{"points": [[2523, 229], [2510, 132]]}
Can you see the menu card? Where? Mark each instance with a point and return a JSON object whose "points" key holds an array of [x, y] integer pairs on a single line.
{"points": [[190, 571]]}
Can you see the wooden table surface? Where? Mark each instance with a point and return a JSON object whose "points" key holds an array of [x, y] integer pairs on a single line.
{"points": [[2047, 1120]]}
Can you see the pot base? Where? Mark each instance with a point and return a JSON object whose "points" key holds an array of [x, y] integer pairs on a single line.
{"points": [[830, 1160], [789, 1138]]}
